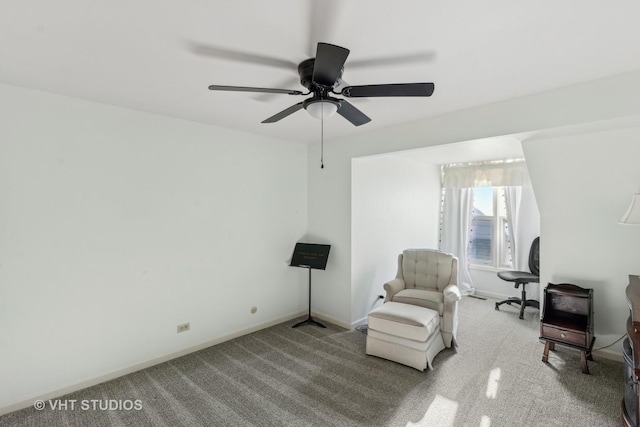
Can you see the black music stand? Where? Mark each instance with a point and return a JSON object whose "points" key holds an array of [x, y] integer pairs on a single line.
{"points": [[310, 255]]}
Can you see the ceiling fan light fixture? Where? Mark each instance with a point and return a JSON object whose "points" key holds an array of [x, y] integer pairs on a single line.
{"points": [[322, 109]]}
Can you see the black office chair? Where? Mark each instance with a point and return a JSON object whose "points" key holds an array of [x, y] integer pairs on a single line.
{"points": [[522, 278]]}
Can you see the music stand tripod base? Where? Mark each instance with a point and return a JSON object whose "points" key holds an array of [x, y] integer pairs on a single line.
{"points": [[310, 321]]}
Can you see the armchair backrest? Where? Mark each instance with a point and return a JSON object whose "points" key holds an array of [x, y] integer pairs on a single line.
{"points": [[427, 269]]}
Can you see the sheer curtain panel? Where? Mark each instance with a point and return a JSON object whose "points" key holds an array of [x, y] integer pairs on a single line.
{"points": [[456, 223], [524, 223]]}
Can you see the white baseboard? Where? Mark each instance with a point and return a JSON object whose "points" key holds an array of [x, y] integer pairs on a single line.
{"points": [[481, 293], [602, 353], [143, 365], [330, 319], [365, 319], [608, 354]]}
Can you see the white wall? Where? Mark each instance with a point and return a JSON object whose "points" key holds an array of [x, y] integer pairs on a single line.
{"points": [[583, 184], [117, 225], [395, 205], [330, 189]]}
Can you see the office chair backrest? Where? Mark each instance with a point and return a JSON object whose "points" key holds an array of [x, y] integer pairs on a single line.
{"points": [[534, 256]]}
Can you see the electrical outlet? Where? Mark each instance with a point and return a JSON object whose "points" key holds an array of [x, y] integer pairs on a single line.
{"points": [[184, 327]]}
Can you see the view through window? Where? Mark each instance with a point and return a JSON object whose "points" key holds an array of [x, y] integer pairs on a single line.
{"points": [[489, 236]]}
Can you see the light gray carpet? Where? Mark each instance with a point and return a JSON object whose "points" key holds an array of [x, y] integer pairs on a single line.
{"points": [[321, 377]]}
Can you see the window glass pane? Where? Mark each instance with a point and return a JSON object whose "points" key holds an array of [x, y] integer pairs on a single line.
{"points": [[480, 240], [483, 201]]}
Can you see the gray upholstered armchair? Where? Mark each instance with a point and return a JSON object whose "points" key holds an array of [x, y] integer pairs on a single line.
{"points": [[428, 278]]}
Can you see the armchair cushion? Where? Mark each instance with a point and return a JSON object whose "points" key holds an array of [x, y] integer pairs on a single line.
{"points": [[421, 297], [405, 321]]}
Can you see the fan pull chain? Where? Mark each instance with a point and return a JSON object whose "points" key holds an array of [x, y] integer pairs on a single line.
{"points": [[322, 135]]}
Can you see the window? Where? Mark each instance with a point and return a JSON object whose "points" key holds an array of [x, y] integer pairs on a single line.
{"points": [[474, 225], [489, 234]]}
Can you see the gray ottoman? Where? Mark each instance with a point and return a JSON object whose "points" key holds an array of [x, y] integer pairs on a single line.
{"points": [[405, 333]]}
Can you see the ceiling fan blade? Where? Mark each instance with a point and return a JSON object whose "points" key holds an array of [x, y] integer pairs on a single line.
{"points": [[284, 113], [351, 113], [395, 89], [264, 97], [236, 55], [328, 64], [411, 58], [254, 89]]}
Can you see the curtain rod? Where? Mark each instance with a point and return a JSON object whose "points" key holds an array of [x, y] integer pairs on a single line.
{"points": [[484, 163]]}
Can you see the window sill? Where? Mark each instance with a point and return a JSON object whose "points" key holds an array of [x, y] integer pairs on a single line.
{"points": [[489, 268]]}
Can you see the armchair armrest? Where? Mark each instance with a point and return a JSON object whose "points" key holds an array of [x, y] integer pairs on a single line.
{"points": [[450, 314], [452, 293], [392, 287]]}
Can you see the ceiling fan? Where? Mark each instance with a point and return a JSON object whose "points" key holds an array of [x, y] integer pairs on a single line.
{"points": [[320, 76]]}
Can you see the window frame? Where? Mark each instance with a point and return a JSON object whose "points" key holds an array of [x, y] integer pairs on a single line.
{"points": [[499, 250]]}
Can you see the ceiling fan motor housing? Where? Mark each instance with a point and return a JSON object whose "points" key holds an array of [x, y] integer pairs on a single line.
{"points": [[305, 71]]}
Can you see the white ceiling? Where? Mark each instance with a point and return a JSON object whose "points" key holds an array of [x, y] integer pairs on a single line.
{"points": [[150, 55], [479, 150]]}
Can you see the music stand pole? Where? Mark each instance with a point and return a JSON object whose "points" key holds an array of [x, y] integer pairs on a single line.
{"points": [[309, 319]]}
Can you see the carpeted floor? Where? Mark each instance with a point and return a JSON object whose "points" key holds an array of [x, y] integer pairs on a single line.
{"points": [[310, 376]]}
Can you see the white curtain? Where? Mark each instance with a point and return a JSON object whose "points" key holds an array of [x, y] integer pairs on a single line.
{"points": [[512, 198], [524, 223], [456, 223], [487, 174]]}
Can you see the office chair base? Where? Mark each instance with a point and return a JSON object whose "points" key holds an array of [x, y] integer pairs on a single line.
{"points": [[527, 303]]}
